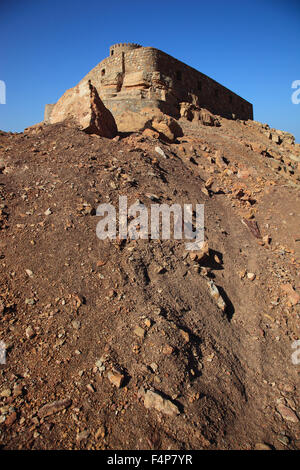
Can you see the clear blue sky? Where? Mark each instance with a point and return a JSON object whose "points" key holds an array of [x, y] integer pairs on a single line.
{"points": [[250, 46]]}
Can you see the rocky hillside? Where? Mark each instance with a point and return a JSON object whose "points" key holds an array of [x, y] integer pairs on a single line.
{"points": [[140, 344]]}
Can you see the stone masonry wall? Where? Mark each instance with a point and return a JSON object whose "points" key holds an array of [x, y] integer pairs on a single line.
{"points": [[133, 77], [188, 83]]}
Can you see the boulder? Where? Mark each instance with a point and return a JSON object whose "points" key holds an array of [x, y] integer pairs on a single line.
{"points": [[150, 118], [168, 128], [151, 134], [130, 121], [281, 137], [191, 112], [35, 129], [186, 111], [82, 106], [208, 119]]}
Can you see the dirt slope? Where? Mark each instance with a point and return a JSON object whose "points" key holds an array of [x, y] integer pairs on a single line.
{"points": [[71, 304]]}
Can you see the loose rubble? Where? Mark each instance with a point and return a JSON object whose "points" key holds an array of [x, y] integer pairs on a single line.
{"points": [[114, 344]]}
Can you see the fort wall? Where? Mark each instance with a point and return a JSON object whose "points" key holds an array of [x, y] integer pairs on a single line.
{"points": [[133, 77]]}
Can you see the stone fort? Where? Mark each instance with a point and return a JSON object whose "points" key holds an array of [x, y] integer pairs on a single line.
{"points": [[134, 77]]}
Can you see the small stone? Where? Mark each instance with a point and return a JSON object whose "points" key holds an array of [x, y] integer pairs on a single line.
{"points": [[157, 311], [214, 292], [217, 259], [30, 333], [285, 440], [4, 409], [76, 324], [151, 133], [154, 366], [153, 197], [251, 276], [136, 349], [90, 388], [99, 366], [193, 256], [140, 332], [168, 350], [141, 392], [262, 446], [293, 296], [29, 272], [18, 390], [5, 393], [199, 255], [35, 420], [160, 152], [112, 293], [210, 357], [101, 262], [29, 301], [266, 239], [156, 401], [209, 182], [100, 433], [11, 419], [116, 378], [287, 413], [185, 335], [82, 436], [54, 407], [289, 388], [48, 212], [160, 269]]}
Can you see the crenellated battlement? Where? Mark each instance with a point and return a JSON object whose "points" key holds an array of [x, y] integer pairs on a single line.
{"points": [[122, 47]]}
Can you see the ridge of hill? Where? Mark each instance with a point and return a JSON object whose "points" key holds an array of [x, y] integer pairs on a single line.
{"points": [[121, 344]]}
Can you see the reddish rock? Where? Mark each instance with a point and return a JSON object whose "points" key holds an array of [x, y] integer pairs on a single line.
{"points": [[83, 107], [253, 227], [192, 112], [150, 121], [293, 296], [116, 378], [54, 407], [151, 134], [287, 413], [11, 419], [156, 401]]}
